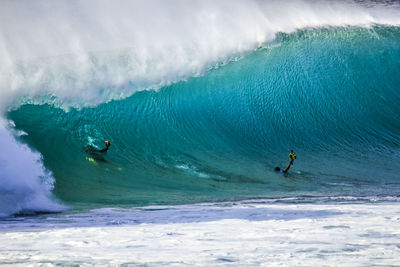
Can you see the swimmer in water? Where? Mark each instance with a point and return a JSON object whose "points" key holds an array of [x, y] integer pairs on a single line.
{"points": [[292, 157], [95, 154]]}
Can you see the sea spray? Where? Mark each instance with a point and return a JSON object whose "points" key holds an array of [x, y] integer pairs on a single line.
{"points": [[25, 184], [86, 53]]}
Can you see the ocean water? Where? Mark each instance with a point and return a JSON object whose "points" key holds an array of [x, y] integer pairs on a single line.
{"points": [[200, 102]]}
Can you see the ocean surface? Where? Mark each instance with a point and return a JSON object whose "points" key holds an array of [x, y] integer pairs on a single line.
{"points": [[200, 103]]}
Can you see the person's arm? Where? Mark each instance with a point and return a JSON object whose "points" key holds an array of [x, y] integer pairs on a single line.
{"points": [[104, 149], [288, 166]]}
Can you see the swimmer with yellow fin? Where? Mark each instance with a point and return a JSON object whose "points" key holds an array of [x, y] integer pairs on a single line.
{"points": [[292, 157]]}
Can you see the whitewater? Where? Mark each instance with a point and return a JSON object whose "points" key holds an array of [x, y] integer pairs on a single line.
{"points": [[200, 100]]}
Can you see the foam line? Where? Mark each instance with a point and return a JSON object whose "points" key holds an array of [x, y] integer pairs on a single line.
{"points": [[262, 234]]}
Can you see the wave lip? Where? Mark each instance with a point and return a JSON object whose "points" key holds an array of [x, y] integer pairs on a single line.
{"points": [[66, 64]]}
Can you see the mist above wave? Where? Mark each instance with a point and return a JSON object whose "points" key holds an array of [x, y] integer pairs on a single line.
{"points": [[88, 52]]}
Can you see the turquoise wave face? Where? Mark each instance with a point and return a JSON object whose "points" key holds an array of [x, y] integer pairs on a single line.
{"points": [[331, 95]]}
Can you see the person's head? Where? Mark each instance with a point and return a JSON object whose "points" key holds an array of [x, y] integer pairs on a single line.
{"points": [[277, 169], [107, 143], [292, 155]]}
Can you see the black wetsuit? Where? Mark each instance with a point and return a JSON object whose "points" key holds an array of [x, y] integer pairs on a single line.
{"points": [[95, 153]]}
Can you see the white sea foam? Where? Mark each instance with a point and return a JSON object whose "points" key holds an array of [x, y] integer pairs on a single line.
{"points": [[242, 234], [25, 185]]}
